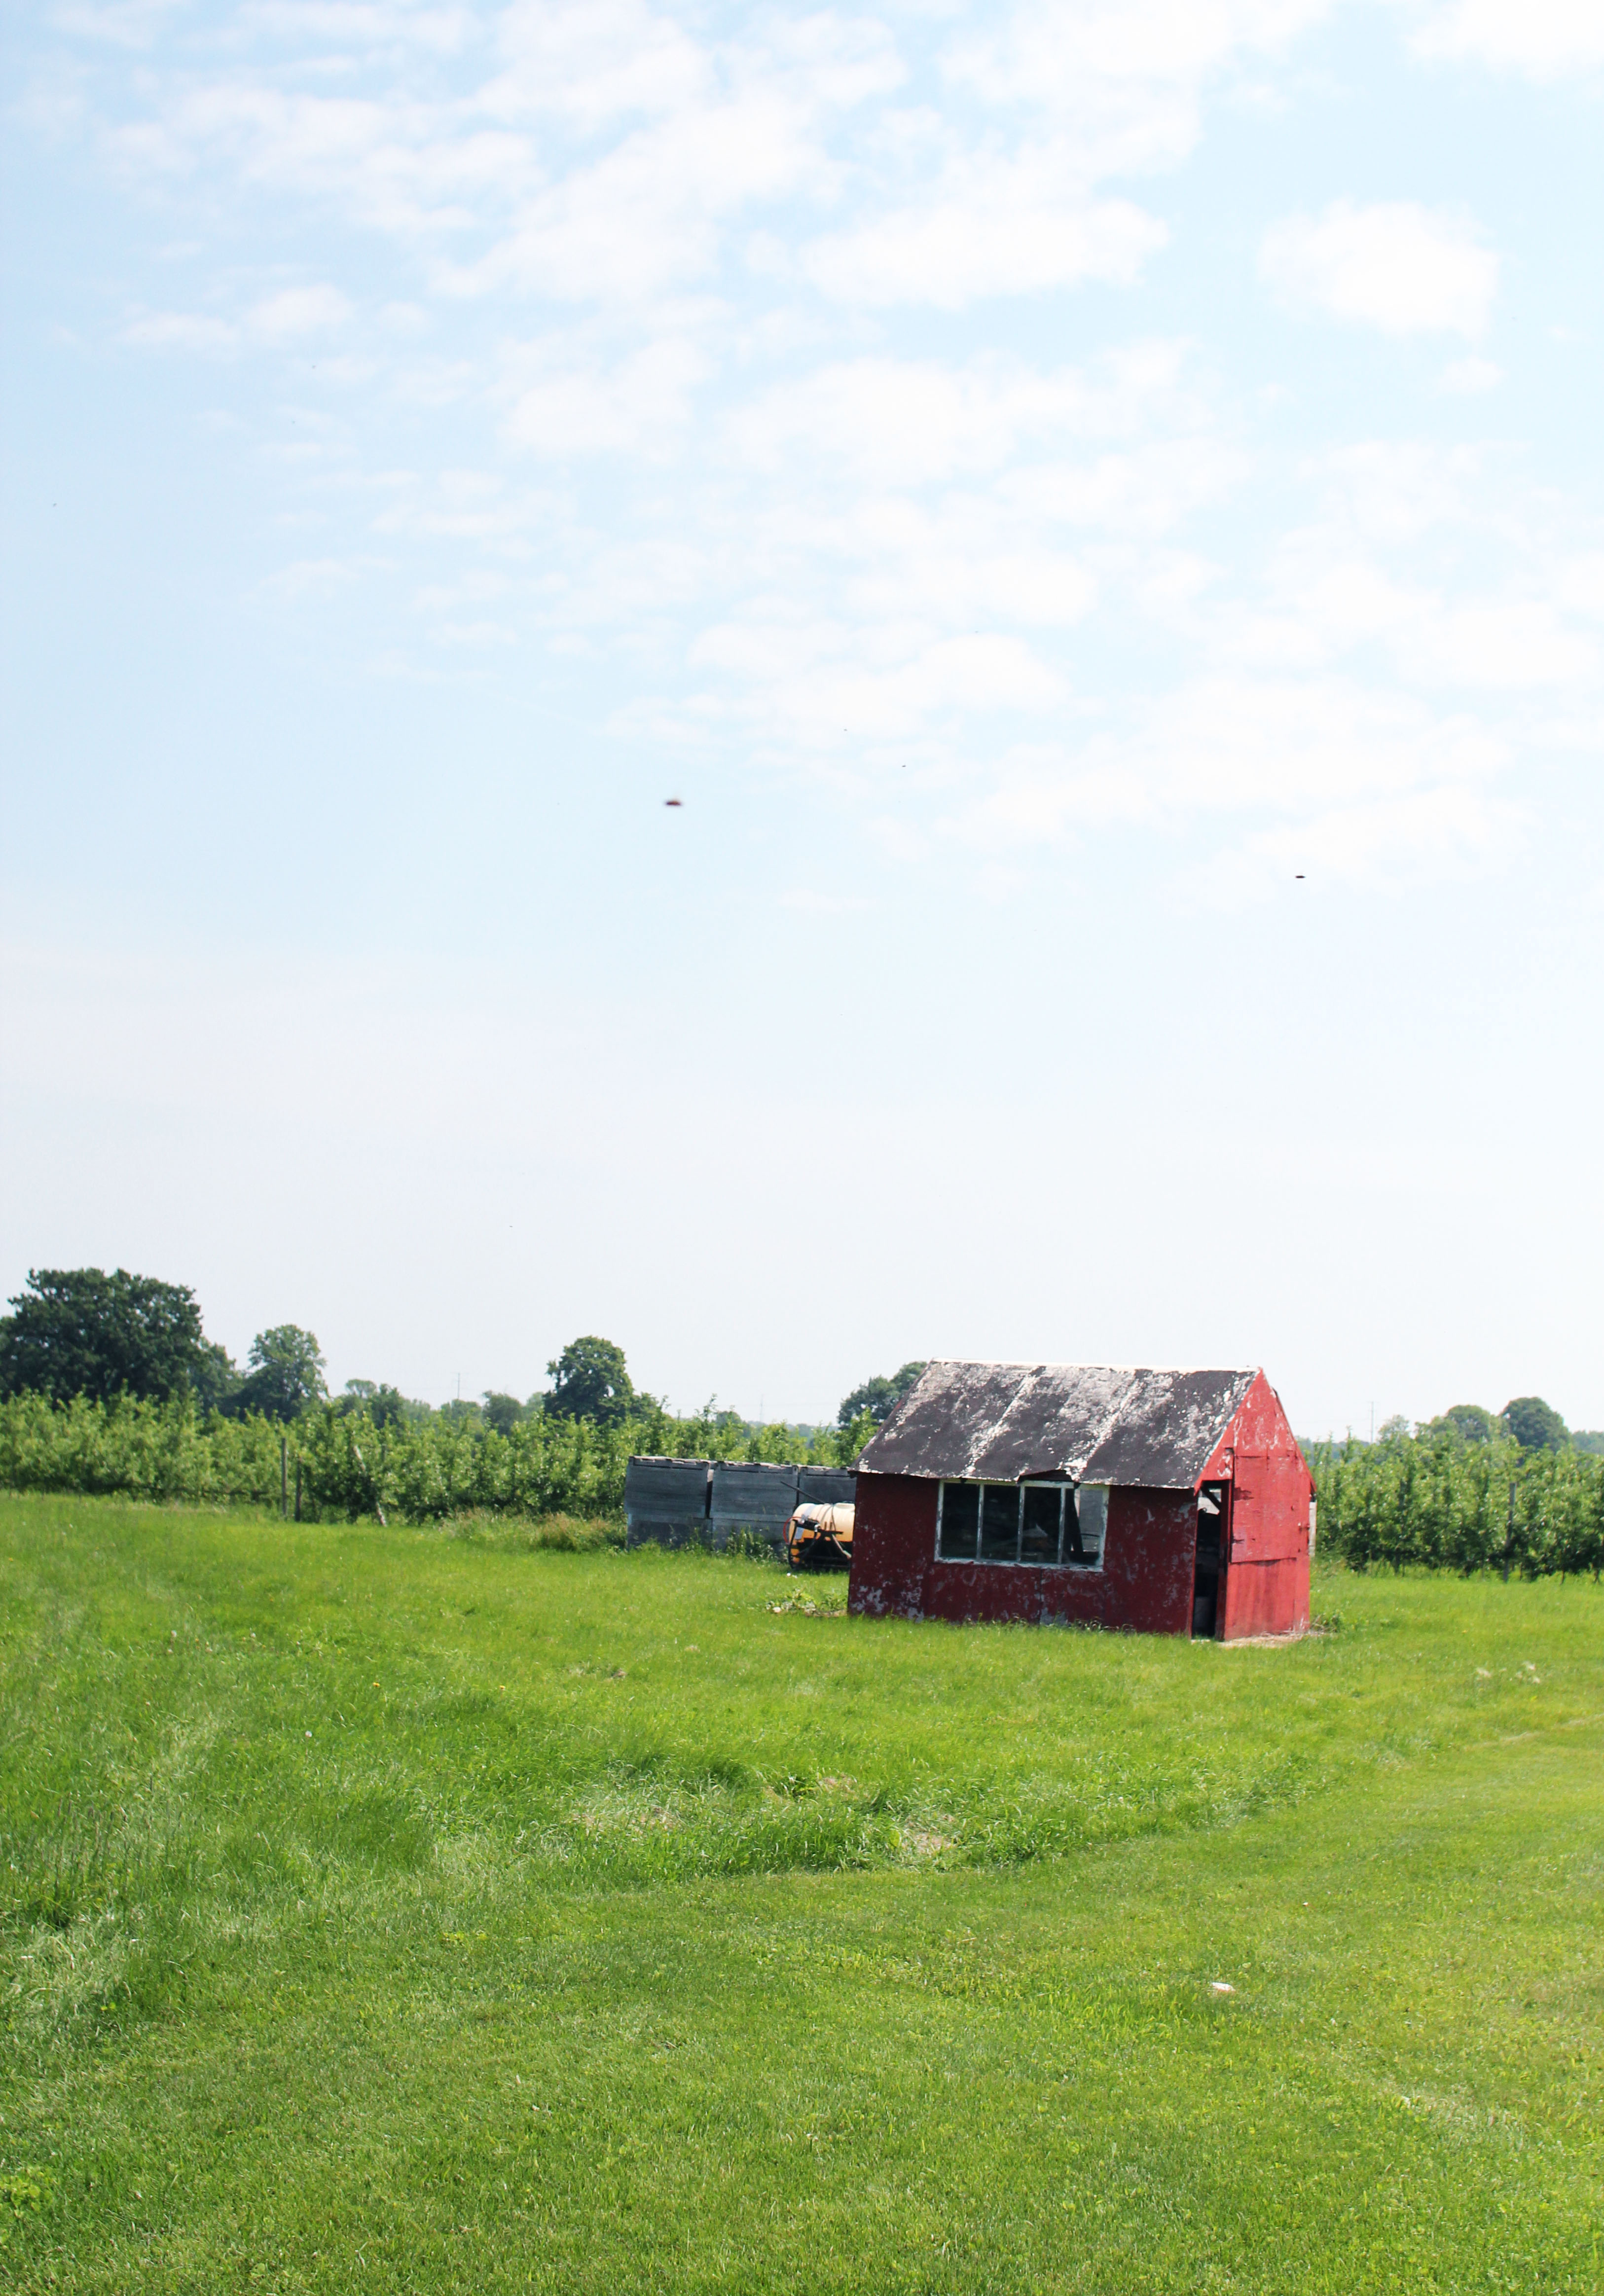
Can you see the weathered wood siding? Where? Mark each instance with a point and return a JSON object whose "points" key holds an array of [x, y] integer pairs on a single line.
{"points": [[1145, 1583]]}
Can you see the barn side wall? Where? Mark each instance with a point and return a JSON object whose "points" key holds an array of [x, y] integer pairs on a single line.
{"points": [[1267, 1570], [1144, 1583]]}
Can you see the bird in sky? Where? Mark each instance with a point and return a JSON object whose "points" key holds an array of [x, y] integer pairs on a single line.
{"points": [[673, 801]]}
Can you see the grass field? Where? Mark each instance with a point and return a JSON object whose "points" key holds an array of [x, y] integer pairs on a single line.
{"points": [[386, 1911]]}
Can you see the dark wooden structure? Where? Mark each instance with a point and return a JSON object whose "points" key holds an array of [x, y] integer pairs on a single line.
{"points": [[699, 1502], [1170, 1502]]}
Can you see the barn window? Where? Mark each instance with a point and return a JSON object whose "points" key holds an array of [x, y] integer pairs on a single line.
{"points": [[1050, 1524]]}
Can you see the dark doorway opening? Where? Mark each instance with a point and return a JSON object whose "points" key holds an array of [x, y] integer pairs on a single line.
{"points": [[1214, 1499]]}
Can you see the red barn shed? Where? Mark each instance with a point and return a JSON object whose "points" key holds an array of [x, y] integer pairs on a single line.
{"points": [[1173, 1502]]}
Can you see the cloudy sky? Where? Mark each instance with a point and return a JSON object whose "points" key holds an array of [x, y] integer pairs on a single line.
{"points": [[1094, 508]]}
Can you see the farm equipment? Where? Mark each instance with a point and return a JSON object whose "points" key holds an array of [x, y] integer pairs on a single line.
{"points": [[820, 1538]]}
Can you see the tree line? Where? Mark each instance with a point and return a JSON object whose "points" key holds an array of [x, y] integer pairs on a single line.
{"points": [[79, 1333], [108, 1384]]}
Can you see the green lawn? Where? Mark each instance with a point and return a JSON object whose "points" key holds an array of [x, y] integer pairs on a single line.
{"points": [[385, 1911]]}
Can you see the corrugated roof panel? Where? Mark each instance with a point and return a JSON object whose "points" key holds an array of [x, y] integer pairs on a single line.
{"points": [[1094, 1422]]}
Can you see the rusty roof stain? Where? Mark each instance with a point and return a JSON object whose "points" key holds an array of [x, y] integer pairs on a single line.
{"points": [[1091, 1422]]}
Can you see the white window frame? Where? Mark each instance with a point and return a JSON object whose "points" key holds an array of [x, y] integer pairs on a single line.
{"points": [[1069, 1495]]}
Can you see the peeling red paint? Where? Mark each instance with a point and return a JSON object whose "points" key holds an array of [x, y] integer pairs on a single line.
{"points": [[1267, 1560], [1144, 1583]]}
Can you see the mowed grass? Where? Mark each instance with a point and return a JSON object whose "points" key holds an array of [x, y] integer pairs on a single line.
{"points": [[384, 1911]]}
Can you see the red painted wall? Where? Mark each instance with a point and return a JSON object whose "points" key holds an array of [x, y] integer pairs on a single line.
{"points": [[1144, 1583], [1267, 1568], [893, 1544]]}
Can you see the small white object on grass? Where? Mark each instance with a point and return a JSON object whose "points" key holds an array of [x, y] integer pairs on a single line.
{"points": [[1219, 1986]]}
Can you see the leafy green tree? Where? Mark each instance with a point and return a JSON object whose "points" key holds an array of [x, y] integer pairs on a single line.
{"points": [[384, 1405], [878, 1397], [215, 1379], [501, 1413], [1468, 1421], [1535, 1426], [78, 1331], [286, 1373], [589, 1381]]}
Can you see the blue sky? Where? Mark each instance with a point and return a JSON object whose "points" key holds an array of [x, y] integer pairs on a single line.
{"points": [[1096, 511]]}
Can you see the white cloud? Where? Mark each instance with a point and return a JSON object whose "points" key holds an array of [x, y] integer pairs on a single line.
{"points": [[1326, 606], [1468, 375], [319, 578], [389, 160], [363, 26], [954, 570], [819, 685], [1294, 746], [648, 216], [595, 63], [987, 227], [1139, 494], [285, 317], [1404, 268], [297, 311], [1580, 585], [182, 331], [638, 405], [905, 422], [1368, 580], [1046, 51], [1500, 644], [1544, 39], [1396, 842], [1126, 76], [1393, 491], [1311, 755], [807, 902], [121, 23]]}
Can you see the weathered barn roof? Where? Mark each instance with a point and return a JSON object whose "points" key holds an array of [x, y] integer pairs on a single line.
{"points": [[1093, 1423]]}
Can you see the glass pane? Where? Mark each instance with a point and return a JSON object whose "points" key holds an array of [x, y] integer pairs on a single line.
{"points": [[1091, 1519], [999, 1522], [1040, 1540], [960, 1516]]}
